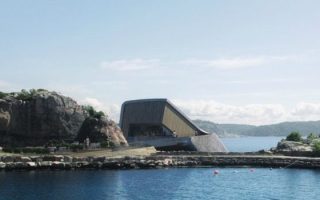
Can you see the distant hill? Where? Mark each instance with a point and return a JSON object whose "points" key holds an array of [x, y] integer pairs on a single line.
{"points": [[281, 129], [209, 127], [235, 129]]}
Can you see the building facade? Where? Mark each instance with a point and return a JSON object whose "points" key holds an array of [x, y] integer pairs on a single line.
{"points": [[159, 123]]}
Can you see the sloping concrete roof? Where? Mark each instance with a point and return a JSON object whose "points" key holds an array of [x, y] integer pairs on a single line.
{"points": [[176, 109]]}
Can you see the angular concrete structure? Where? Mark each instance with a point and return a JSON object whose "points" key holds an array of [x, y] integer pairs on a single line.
{"points": [[159, 123]]}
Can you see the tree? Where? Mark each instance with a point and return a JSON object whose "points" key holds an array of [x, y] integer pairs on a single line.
{"points": [[93, 113], [294, 136]]}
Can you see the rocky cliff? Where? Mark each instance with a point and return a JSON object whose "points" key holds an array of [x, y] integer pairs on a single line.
{"points": [[101, 129], [35, 117]]}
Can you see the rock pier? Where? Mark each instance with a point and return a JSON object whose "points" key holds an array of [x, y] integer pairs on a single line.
{"points": [[159, 160]]}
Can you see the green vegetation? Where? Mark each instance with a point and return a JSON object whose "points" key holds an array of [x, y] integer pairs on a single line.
{"points": [[2, 95], [75, 147], [62, 143], [23, 95], [42, 90], [294, 136], [314, 141], [57, 143], [316, 148], [93, 113], [107, 144], [35, 150], [312, 137]]}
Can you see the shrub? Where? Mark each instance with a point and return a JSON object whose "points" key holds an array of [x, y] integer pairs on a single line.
{"points": [[7, 150], [24, 95], [107, 144], [55, 143], [2, 95], [99, 114], [316, 147], [294, 136], [16, 150], [76, 147], [93, 113], [42, 90], [312, 137]]}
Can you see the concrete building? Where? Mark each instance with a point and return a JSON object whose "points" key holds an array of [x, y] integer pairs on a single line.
{"points": [[159, 123]]}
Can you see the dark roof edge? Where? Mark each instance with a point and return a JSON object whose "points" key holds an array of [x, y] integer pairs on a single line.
{"points": [[168, 102]]}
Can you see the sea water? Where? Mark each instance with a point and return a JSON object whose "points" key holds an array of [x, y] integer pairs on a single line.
{"points": [[184, 183], [247, 144]]}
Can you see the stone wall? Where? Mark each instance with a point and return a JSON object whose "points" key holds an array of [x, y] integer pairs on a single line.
{"points": [[154, 161]]}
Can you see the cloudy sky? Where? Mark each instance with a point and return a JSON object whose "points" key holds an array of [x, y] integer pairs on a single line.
{"points": [[254, 62]]}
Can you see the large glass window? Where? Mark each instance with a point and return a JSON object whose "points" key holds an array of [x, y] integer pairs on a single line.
{"points": [[146, 130]]}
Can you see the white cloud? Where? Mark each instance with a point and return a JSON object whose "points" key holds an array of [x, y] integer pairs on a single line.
{"points": [[129, 65], [111, 110], [236, 62], [223, 113], [256, 114], [4, 85], [230, 63], [307, 110], [225, 63], [92, 102]]}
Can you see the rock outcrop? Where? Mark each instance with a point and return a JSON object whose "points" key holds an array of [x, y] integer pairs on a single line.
{"points": [[292, 148], [40, 116], [101, 130], [285, 145]]}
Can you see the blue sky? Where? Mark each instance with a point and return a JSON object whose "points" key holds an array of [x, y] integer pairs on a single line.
{"points": [[254, 62]]}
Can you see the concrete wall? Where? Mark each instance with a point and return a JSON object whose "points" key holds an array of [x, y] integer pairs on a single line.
{"points": [[141, 113], [162, 112], [203, 143], [175, 122], [208, 143]]}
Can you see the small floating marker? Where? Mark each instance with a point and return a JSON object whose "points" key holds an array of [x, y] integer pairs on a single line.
{"points": [[252, 170], [216, 172]]}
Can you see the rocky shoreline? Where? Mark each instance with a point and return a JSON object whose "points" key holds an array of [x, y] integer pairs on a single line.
{"points": [[159, 160]]}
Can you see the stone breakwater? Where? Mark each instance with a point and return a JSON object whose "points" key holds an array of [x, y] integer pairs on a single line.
{"points": [[154, 161]]}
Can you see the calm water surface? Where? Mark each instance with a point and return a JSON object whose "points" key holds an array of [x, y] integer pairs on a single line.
{"points": [[247, 144], [200, 183]]}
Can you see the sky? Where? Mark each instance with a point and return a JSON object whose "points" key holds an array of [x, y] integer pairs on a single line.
{"points": [[252, 62]]}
